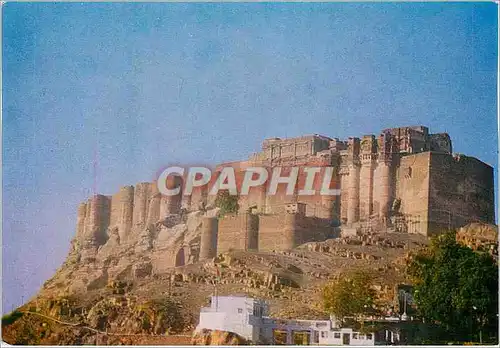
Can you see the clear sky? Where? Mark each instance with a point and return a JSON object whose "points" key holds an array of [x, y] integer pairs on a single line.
{"points": [[139, 86]]}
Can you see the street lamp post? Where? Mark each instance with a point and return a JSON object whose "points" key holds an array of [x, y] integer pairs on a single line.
{"points": [[404, 316], [480, 327]]}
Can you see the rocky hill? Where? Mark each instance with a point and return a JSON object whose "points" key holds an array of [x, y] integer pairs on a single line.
{"points": [[128, 291], [115, 293], [134, 272]]}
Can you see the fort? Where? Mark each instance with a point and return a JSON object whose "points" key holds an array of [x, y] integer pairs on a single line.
{"points": [[403, 180]]}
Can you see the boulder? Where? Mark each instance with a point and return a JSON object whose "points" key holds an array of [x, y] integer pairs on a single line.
{"points": [[142, 270], [217, 338]]}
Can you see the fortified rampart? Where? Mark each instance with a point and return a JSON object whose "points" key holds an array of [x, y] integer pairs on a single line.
{"points": [[289, 229], [208, 240], [460, 192], [130, 210], [238, 232], [404, 179], [93, 220], [281, 231]]}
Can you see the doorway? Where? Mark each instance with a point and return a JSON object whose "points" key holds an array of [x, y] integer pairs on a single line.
{"points": [[346, 339]]}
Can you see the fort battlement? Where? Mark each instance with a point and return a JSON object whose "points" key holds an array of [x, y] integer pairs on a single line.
{"points": [[93, 220], [404, 178], [238, 232], [128, 211], [267, 232]]}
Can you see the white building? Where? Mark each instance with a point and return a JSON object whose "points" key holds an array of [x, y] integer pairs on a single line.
{"points": [[248, 318], [241, 315]]}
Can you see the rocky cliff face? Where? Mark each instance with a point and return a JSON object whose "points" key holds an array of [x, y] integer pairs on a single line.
{"points": [[113, 281], [137, 284], [119, 293], [479, 236], [147, 250]]}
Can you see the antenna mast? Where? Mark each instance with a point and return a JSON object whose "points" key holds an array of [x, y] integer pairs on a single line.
{"points": [[94, 172]]}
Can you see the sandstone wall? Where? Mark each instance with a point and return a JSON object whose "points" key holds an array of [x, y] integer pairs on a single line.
{"points": [[208, 242], [237, 232], [140, 210], [153, 205], [96, 219], [80, 220], [366, 189], [368, 149], [199, 197], [171, 204], [256, 198], [313, 229], [412, 189], [126, 211], [353, 189], [330, 208], [460, 192], [115, 210], [277, 232], [384, 186], [274, 204], [344, 195], [395, 180], [285, 231]]}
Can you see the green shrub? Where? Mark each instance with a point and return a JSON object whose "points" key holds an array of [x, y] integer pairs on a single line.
{"points": [[227, 203], [10, 318]]}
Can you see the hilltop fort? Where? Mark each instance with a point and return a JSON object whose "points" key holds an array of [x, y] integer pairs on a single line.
{"points": [[137, 250], [403, 180]]}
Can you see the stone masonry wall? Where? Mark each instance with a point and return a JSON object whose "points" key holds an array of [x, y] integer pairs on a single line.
{"points": [[208, 240], [96, 220], [459, 192], [406, 178], [412, 189], [285, 231], [277, 232], [237, 232]]}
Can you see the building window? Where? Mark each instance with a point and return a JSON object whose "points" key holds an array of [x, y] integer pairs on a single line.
{"points": [[369, 336], [240, 310], [324, 334], [336, 335], [354, 335]]}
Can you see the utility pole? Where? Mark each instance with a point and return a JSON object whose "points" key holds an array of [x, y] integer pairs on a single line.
{"points": [[216, 298], [170, 285], [480, 321], [94, 174], [215, 291]]}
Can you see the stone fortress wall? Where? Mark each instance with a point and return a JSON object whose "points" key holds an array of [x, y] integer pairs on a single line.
{"points": [[405, 179], [284, 230]]}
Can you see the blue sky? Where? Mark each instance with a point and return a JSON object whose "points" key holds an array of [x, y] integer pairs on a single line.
{"points": [[139, 86]]}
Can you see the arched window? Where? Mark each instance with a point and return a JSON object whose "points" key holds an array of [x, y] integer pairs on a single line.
{"points": [[180, 258]]}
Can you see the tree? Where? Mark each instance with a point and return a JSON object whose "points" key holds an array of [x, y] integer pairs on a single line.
{"points": [[349, 296], [456, 288], [227, 203]]}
